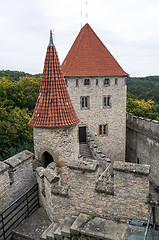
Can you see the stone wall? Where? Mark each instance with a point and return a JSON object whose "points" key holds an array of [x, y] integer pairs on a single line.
{"points": [[60, 142], [142, 143], [16, 177], [114, 115], [127, 199]]}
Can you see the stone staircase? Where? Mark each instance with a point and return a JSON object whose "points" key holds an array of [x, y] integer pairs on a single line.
{"points": [[85, 227], [58, 230], [84, 151], [81, 227]]}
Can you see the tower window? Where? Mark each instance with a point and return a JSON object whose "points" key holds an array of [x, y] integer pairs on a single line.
{"points": [[103, 129], [116, 81], [106, 101], [66, 82], [84, 101], [76, 82], [96, 82], [106, 82], [86, 82]]}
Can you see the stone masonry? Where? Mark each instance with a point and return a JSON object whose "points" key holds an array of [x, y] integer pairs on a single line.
{"points": [[143, 143], [16, 177], [128, 199], [114, 115], [61, 142]]}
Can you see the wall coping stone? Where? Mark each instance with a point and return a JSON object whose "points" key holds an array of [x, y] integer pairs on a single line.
{"points": [[40, 171], [131, 167], [51, 175], [87, 165], [19, 158], [3, 167]]}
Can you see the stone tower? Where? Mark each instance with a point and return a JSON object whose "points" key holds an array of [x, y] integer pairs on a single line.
{"points": [[96, 84], [54, 118]]}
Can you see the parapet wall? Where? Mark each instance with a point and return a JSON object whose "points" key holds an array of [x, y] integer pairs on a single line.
{"points": [[16, 177], [142, 143], [127, 199]]}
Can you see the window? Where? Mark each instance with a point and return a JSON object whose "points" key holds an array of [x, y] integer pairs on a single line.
{"points": [[86, 82], [96, 82], [66, 82], [103, 130], [116, 81], [106, 101], [76, 82], [84, 102], [106, 82]]}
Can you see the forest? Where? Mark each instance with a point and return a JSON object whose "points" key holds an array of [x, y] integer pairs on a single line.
{"points": [[18, 94]]}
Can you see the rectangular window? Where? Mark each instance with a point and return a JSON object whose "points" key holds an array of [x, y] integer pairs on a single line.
{"points": [[76, 82], [116, 81], [106, 82], [66, 82], [103, 130], [106, 101], [84, 101], [96, 82], [86, 82]]}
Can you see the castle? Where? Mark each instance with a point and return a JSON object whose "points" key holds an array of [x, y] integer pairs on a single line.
{"points": [[87, 106]]}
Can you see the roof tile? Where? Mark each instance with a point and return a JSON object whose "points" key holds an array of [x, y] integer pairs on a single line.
{"points": [[53, 107], [89, 57]]}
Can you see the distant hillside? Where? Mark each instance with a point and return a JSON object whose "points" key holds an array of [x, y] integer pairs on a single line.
{"points": [[15, 75], [144, 87]]}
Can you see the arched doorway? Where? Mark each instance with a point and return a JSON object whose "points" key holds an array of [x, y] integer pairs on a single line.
{"points": [[46, 159]]}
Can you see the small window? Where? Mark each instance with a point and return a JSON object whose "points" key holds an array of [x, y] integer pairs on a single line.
{"points": [[76, 82], [84, 101], [86, 82], [66, 82], [103, 130], [106, 101], [116, 81], [106, 82], [96, 82]]}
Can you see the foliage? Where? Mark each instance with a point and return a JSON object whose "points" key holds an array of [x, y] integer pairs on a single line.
{"points": [[146, 109], [15, 75], [144, 88], [143, 96], [17, 101]]}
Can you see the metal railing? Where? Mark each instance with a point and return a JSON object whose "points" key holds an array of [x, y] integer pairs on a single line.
{"points": [[149, 225], [23, 207]]}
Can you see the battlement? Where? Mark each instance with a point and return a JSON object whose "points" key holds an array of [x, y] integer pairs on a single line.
{"points": [[143, 143], [143, 124]]}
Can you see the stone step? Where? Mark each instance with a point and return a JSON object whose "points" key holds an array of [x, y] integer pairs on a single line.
{"points": [[50, 234], [84, 151], [44, 235], [66, 229], [57, 233], [98, 228]]}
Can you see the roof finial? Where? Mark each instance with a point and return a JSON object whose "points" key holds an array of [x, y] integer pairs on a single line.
{"points": [[51, 44]]}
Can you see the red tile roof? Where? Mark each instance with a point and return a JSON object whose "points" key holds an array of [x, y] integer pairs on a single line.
{"points": [[53, 107], [89, 57]]}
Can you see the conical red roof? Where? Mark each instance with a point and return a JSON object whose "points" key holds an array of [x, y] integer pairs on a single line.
{"points": [[89, 57], [53, 107]]}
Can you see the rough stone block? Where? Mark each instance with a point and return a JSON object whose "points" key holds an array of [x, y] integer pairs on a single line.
{"points": [[3, 167], [131, 167]]}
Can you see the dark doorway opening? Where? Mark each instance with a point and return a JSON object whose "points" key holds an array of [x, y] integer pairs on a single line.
{"points": [[47, 159], [82, 134]]}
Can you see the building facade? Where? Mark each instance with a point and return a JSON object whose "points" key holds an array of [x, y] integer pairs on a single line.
{"points": [[97, 87]]}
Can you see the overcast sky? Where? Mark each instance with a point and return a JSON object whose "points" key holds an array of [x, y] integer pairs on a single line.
{"points": [[128, 28]]}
